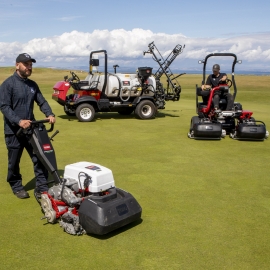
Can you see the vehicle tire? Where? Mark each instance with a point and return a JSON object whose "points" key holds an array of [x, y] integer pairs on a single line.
{"points": [[85, 112], [146, 109], [194, 120], [69, 112], [125, 111]]}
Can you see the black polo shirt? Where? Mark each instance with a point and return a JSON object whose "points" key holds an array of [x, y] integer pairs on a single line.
{"points": [[214, 80], [17, 97]]}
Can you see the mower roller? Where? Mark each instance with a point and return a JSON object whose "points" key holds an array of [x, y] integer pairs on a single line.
{"points": [[86, 199], [211, 124], [125, 93]]}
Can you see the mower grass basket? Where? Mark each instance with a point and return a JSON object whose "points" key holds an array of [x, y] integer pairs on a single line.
{"points": [[250, 131], [101, 215]]}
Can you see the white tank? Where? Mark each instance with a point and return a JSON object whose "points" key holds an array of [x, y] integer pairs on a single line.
{"points": [[127, 84]]}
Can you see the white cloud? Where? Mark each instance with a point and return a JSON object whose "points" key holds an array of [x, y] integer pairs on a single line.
{"points": [[128, 46]]}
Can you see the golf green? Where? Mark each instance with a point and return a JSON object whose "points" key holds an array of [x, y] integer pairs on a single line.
{"points": [[206, 204]]}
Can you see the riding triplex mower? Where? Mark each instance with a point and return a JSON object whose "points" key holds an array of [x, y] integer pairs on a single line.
{"points": [[86, 199], [214, 124], [141, 92]]}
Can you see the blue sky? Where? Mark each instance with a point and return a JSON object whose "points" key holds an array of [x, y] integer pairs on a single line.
{"points": [[63, 32]]}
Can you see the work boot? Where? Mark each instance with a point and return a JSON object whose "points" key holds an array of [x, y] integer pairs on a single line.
{"points": [[22, 194]]}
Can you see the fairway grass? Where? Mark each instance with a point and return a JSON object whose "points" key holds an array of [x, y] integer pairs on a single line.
{"points": [[206, 204]]}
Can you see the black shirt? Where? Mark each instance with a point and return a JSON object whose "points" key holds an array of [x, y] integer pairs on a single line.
{"points": [[17, 97], [214, 80]]}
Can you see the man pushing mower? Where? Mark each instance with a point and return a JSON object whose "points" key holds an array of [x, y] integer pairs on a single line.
{"points": [[17, 97]]}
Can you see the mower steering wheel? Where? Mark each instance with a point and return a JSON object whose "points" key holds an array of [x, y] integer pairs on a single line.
{"points": [[229, 83], [74, 76]]}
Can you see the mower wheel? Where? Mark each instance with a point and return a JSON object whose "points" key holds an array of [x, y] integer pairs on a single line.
{"points": [[69, 112], [194, 120], [85, 112], [126, 111], [146, 109]]}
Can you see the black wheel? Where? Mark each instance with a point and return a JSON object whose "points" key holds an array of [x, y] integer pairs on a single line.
{"points": [[229, 83], [194, 120], [146, 109], [125, 111], [85, 112], [69, 112]]}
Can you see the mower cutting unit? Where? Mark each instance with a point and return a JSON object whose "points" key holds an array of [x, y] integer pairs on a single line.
{"points": [[214, 125], [124, 93], [86, 199]]}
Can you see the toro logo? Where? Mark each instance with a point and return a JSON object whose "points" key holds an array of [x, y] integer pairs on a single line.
{"points": [[46, 147]]}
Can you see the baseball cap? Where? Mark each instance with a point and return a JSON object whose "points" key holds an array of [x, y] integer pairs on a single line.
{"points": [[216, 67], [24, 57]]}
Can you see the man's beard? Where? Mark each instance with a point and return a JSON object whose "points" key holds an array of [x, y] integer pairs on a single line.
{"points": [[25, 73]]}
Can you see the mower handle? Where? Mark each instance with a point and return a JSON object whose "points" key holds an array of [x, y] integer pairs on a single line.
{"points": [[34, 123]]}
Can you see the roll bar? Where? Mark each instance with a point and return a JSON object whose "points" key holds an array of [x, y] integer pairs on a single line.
{"points": [[204, 62], [94, 62]]}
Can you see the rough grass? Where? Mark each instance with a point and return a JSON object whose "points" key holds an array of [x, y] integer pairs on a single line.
{"points": [[206, 204]]}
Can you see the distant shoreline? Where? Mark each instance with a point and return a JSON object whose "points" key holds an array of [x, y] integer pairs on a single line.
{"points": [[131, 70]]}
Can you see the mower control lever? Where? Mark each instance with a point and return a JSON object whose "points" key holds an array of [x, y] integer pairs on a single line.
{"points": [[54, 134]]}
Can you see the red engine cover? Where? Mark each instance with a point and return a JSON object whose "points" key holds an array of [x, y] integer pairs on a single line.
{"points": [[60, 90]]}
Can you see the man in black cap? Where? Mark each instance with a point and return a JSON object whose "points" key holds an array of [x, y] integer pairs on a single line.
{"points": [[17, 97], [214, 80]]}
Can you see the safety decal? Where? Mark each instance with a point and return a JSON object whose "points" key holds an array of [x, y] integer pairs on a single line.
{"points": [[126, 83]]}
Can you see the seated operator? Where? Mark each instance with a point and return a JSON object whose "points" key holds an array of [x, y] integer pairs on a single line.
{"points": [[214, 80]]}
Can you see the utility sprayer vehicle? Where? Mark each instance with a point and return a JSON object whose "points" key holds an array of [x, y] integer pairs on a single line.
{"points": [[86, 199], [213, 124], [141, 92]]}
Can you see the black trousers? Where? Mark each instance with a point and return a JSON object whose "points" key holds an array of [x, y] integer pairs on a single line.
{"points": [[227, 96], [15, 146]]}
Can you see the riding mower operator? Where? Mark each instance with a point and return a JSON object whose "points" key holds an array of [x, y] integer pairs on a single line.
{"points": [[17, 97], [212, 81]]}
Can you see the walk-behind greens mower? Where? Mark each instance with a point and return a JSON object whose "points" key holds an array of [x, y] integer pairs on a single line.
{"points": [[212, 124], [141, 92], [86, 199]]}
